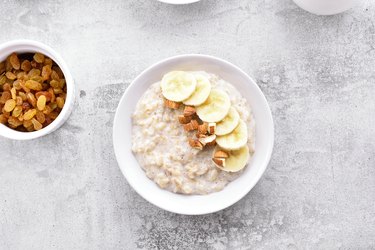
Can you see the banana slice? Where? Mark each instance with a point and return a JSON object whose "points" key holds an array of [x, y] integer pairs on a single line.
{"points": [[201, 92], [236, 139], [236, 160], [229, 123], [215, 108], [178, 85]]}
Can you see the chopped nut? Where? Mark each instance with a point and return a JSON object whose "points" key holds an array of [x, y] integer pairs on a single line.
{"points": [[207, 139], [213, 143], [220, 162], [195, 144], [195, 124], [202, 129], [221, 154], [200, 135], [211, 128], [189, 111], [171, 104], [188, 126], [184, 120]]}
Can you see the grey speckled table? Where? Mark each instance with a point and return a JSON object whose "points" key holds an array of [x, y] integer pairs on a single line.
{"points": [[65, 191]]}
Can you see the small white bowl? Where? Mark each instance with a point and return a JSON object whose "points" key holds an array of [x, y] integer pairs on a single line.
{"points": [[325, 7], [193, 204], [28, 46], [179, 1]]}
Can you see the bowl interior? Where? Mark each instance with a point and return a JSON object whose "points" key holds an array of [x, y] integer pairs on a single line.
{"points": [[193, 204], [27, 46]]}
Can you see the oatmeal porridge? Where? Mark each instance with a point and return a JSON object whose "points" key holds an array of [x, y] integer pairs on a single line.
{"points": [[192, 132]]}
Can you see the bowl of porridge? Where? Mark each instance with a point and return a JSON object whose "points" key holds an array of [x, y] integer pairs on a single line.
{"points": [[193, 134]]}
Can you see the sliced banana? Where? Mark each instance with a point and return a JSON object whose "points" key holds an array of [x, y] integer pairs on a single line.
{"points": [[178, 85], [229, 123], [236, 160], [234, 140], [202, 91], [215, 108]]}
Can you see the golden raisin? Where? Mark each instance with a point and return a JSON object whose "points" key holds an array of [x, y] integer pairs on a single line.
{"points": [[31, 98], [14, 61], [10, 75], [17, 84], [5, 96], [40, 117], [50, 90], [13, 91], [37, 78], [6, 87], [27, 123], [26, 106], [53, 115], [21, 75], [17, 111], [26, 65], [34, 85], [45, 93], [48, 61], [22, 95], [41, 103], [57, 91], [6, 114], [52, 105], [3, 119], [14, 122], [55, 76], [3, 79], [60, 102], [29, 114], [19, 100], [30, 129], [47, 110], [38, 57], [46, 72], [23, 85], [62, 83], [54, 84], [37, 125], [9, 105], [34, 72]]}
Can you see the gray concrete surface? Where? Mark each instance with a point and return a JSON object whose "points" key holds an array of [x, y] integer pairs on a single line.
{"points": [[65, 191]]}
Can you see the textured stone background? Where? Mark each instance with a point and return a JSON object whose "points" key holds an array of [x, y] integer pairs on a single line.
{"points": [[65, 191]]}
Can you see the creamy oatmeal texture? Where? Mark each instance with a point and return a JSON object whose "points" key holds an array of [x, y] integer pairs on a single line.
{"points": [[159, 143]]}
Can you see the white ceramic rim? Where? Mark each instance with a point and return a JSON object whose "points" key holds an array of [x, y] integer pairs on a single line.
{"points": [[24, 46], [146, 193], [314, 10], [178, 2]]}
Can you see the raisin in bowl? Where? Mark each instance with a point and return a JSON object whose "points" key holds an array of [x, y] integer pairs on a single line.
{"points": [[36, 90]]}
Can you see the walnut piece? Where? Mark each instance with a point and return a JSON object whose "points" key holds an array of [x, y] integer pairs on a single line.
{"points": [[221, 154], [189, 111], [171, 104]]}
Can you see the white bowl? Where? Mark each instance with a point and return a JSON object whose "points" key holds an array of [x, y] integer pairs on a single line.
{"points": [[178, 1], [26, 46], [193, 204], [325, 7]]}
